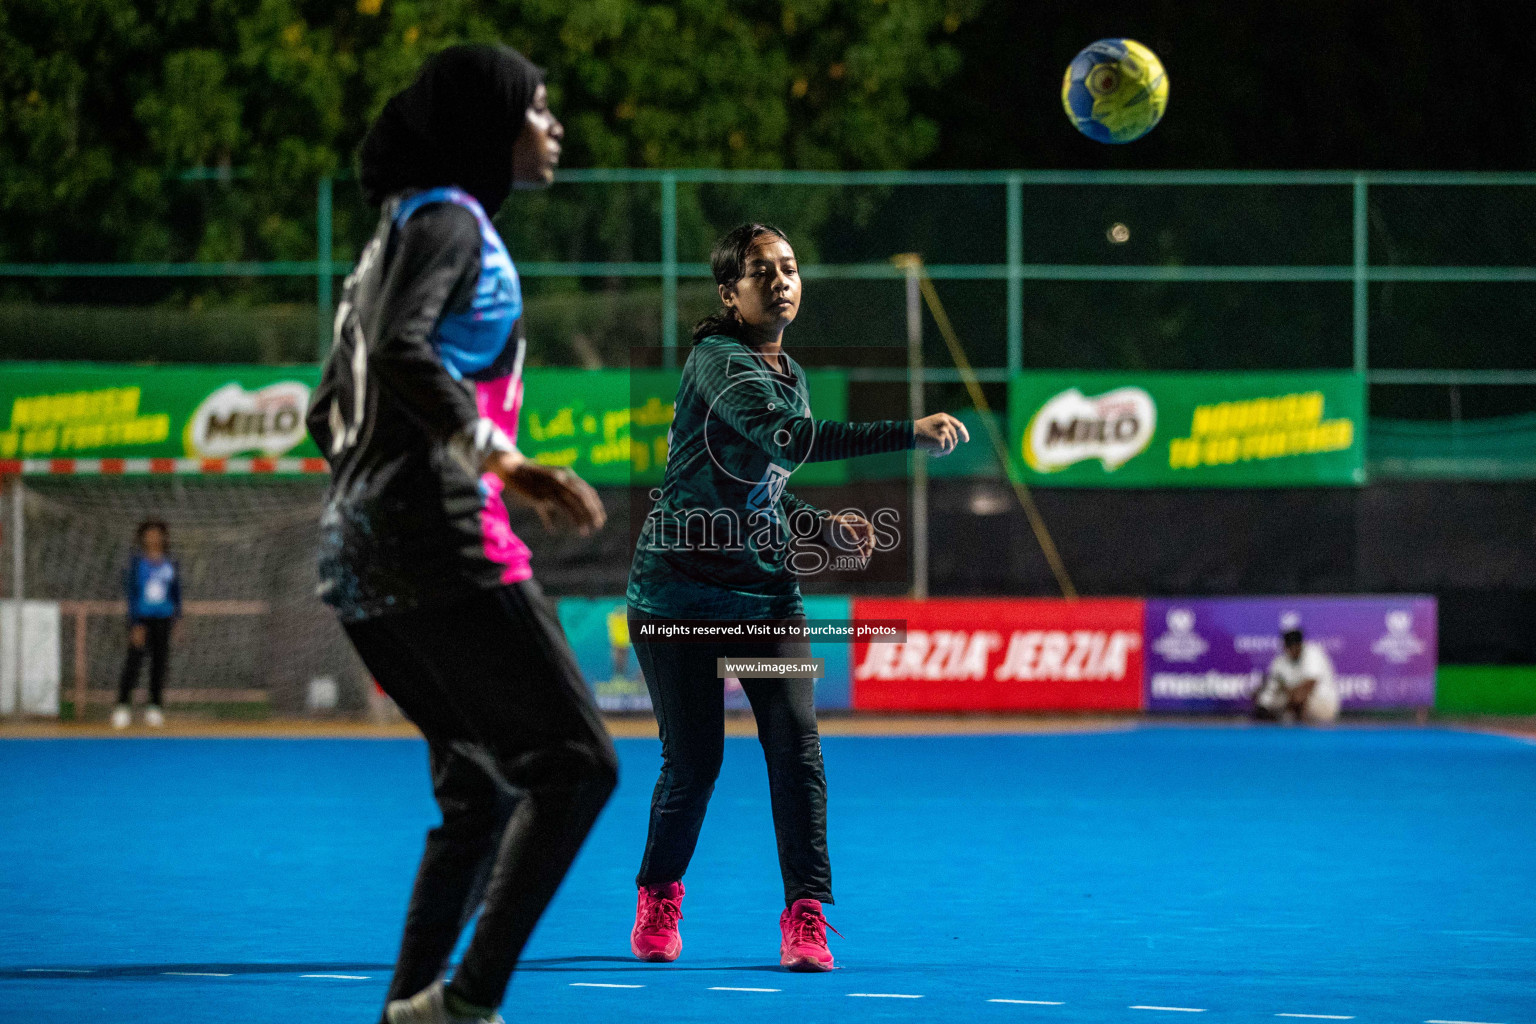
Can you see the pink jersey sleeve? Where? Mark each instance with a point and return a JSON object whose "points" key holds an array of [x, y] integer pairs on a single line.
{"points": [[501, 400]]}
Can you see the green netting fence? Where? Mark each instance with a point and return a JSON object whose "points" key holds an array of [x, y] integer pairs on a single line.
{"points": [[1420, 281]]}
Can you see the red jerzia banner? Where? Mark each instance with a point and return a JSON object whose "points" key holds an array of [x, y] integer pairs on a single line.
{"points": [[1002, 654]]}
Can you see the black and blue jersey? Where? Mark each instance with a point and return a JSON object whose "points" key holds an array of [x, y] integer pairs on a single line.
{"points": [[433, 306]]}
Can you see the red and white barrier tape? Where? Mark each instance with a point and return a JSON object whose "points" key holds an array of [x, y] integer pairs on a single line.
{"points": [[144, 467]]}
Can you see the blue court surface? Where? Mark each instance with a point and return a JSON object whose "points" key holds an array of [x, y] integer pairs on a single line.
{"points": [[1242, 874]]}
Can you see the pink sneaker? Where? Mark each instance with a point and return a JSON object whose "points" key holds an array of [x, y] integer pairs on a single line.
{"points": [[655, 938], [804, 946]]}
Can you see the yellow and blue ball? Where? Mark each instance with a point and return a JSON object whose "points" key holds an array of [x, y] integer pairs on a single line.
{"points": [[1115, 90]]}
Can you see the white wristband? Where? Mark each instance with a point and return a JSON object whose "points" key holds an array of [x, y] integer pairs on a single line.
{"points": [[477, 442]]}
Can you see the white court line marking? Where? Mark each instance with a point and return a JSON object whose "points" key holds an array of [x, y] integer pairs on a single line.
{"points": [[727, 988], [600, 984], [1455, 1022], [52, 970], [1315, 1016], [1027, 1002], [342, 977], [881, 995], [1169, 1009], [194, 974]]}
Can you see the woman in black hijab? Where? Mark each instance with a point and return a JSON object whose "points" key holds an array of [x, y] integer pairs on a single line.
{"points": [[456, 124], [416, 412]]}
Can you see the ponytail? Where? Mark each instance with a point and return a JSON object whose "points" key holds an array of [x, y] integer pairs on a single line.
{"points": [[722, 321]]}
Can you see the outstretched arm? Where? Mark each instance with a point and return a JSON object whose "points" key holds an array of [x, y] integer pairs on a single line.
{"points": [[750, 404], [746, 400]]}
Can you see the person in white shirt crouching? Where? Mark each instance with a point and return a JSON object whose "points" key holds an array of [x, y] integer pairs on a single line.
{"points": [[1298, 684]]}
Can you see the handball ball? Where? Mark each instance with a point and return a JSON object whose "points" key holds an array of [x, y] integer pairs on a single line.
{"points": [[1115, 90]]}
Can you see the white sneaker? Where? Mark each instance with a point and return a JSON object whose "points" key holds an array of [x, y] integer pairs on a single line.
{"points": [[154, 717], [426, 1007], [121, 717]]}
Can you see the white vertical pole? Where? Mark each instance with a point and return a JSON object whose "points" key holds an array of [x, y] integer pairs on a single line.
{"points": [[919, 459], [18, 575]]}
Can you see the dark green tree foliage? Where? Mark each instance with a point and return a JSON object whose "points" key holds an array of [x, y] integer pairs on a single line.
{"points": [[102, 100]]}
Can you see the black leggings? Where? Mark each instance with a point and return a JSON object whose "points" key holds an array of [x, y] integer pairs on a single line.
{"points": [[689, 700], [157, 642], [521, 765]]}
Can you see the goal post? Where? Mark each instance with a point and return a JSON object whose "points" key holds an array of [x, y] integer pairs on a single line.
{"points": [[254, 638]]}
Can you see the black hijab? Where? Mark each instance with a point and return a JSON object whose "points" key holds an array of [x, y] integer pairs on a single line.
{"points": [[454, 125]]}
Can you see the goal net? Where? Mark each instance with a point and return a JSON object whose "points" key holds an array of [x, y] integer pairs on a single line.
{"points": [[253, 640]]}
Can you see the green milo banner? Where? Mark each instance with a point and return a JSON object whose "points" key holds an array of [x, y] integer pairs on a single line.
{"points": [[610, 426], [1148, 429], [84, 410]]}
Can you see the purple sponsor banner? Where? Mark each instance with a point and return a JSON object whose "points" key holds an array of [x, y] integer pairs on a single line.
{"points": [[1210, 654]]}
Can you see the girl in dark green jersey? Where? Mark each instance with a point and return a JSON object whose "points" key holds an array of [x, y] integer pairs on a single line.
{"points": [[719, 544]]}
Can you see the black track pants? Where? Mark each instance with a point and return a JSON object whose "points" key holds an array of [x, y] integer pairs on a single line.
{"points": [[157, 643], [521, 766], [689, 701]]}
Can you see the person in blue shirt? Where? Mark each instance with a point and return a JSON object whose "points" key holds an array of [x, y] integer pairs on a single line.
{"points": [[152, 584]]}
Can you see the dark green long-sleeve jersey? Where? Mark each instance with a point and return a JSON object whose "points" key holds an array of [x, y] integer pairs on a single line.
{"points": [[718, 541]]}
